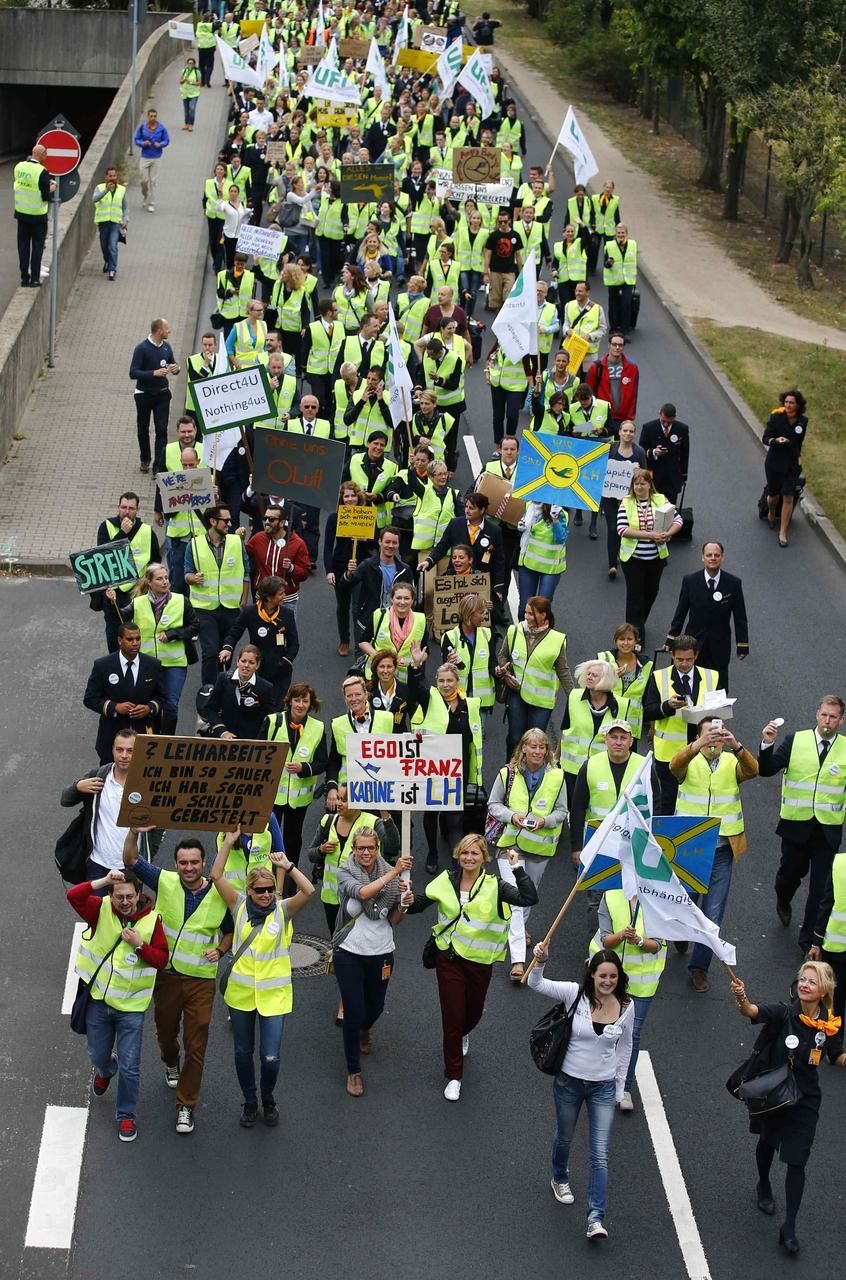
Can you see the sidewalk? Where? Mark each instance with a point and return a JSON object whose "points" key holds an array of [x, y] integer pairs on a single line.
{"points": [[78, 449], [684, 264]]}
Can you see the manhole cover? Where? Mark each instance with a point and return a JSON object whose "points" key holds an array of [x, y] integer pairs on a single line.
{"points": [[308, 955]]}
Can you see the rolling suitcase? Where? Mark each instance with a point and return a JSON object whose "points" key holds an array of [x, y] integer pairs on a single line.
{"points": [[635, 308], [685, 533]]}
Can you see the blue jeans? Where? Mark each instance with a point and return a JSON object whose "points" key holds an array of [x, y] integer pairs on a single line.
{"points": [[522, 716], [104, 1026], [189, 107], [532, 583], [470, 282], [109, 232], [173, 682], [270, 1048], [598, 1097], [175, 552], [641, 1009], [713, 905]]}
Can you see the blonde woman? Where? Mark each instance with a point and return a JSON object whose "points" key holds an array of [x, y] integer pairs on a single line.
{"points": [[168, 627], [590, 706], [646, 528], [288, 309]]}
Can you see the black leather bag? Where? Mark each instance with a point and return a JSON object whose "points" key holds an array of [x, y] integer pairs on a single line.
{"points": [[549, 1038], [70, 851], [760, 1085]]}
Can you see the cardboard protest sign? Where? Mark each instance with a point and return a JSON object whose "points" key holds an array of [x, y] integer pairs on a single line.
{"points": [[450, 590], [181, 31], [310, 55], [303, 469], [190, 490], [231, 399], [245, 47], [356, 522], [349, 47], [366, 182], [201, 784], [404, 772], [110, 565], [478, 165], [431, 39], [503, 506], [261, 242], [491, 193], [275, 153], [618, 478]]}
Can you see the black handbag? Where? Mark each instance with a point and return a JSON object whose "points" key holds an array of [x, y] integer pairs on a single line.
{"points": [[70, 851], [79, 1009], [217, 320], [549, 1038], [764, 1088]]}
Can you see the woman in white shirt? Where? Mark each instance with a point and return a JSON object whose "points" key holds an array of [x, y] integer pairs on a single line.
{"points": [[363, 943], [234, 212], [593, 1071]]}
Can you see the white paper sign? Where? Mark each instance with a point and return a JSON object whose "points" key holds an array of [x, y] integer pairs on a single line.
{"points": [[489, 192], [402, 771], [233, 399], [618, 478], [181, 31], [190, 490], [261, 242]]}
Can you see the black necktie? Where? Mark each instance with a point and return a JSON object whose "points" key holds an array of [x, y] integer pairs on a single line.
{"points": [[824, 746], [687, 691], [712, 585], [130, 671]]}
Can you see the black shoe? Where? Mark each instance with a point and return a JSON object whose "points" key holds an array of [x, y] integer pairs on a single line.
{"points": [[249, 1115], [432, 867], [24, 282], [788, 1243], [764, 1200], [578, 519], [36, 284], [593, 535], [105, 267], [270, 1112], [681, 947], [784, 911]]}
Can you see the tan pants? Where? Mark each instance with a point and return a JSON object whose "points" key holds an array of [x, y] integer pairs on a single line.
{"points": [[501, 285], [189, 1001], [148, 171]]}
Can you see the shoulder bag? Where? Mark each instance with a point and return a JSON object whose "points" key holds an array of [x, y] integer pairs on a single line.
{"points": [[549, 1038], [227, 962], [494, 827], [768, 1089], [79, 1009]]}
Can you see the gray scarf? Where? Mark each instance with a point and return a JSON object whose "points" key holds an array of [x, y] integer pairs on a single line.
{"points": [[384, 901]]}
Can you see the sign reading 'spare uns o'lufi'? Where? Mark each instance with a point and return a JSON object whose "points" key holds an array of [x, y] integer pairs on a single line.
{"points": [[232, 399], [304, 469]]}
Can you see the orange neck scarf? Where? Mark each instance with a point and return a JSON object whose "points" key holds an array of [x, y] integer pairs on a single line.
{"points": [[830, 1025]]}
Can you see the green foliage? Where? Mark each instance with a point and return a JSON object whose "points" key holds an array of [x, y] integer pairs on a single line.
{"points": [[591, 47]]}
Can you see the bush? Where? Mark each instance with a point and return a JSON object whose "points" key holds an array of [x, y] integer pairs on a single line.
{"points": [[591, 47]]}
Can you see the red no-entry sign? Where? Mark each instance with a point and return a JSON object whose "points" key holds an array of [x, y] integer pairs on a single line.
{"points": [[63, 151]]}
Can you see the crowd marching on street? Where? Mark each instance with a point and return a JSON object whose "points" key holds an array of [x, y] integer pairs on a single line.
{"points": [[358, 291]]}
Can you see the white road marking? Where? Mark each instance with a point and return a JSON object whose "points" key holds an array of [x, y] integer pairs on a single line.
{"points": [[672, 1177], [52, 1209], [71, 980], [475, 460], [63, 151]]}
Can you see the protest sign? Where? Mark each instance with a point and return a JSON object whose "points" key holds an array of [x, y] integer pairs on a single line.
{"points": [[304, 469], [181, 31], [689, 845], [190, 490], [275, 153], [251, 27], [404, 772], [418, 59], [491, 193], [477, 165], [261, 242], [201, 784], [233, 399], [310, 55], [577, 348], [502, 505], [349, 47], [356, 522], [245, 47], [366, 182], [562, 470], [336, 119], [110, 565], [618, 478], [450, 590], [431, 39]]}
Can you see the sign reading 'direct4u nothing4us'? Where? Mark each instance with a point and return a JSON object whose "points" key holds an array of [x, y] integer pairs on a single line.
{"points": [[232, 399], [405, 771]]}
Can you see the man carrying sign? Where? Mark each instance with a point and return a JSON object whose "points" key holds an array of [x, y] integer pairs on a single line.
{"points": [[145, 550]]}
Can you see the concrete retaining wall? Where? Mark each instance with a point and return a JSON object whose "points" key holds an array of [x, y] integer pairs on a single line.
{"points": [[69, 46]]}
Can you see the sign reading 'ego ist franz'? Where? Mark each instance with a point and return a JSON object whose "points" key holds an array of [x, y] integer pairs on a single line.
{"points": [[109, 565], [201, 784], [231, 399], [405, 771]]}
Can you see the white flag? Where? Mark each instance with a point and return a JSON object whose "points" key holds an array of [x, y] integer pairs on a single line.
{"points": [[401, 40], [266, 57], [613, 830], [516, 323], [320, 29], [332, 54], [376, 67], [574, 141], [326, 81], [400, 385], [236, 68], [449, 67], [476, 80]]}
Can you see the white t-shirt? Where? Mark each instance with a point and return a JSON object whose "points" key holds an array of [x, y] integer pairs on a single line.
{"points": [[367, 937], [108, 846]]}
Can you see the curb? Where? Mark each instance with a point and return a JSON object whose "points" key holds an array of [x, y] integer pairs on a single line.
{"points": [[808, 505]]}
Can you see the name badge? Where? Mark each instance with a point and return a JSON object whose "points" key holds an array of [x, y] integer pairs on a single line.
{"points": [[834, 769], [273, 928], [230, 560], [164, 620], [541, 803], [798, 430], [674, 439], [484, 542], [602, 786], [515, 654], [718, 595], [302, 751], [280, 639], [483, 653], [249, 702], [132, 957], [486, 557], [113, 678], [262, 631]]}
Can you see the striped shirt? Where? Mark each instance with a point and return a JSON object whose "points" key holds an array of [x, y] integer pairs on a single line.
{"points": [[645, 549]]}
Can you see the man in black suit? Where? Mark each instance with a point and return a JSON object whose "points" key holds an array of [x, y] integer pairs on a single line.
{"points": [[473, 530], [672, 688], [666, 442], [376, 137], [240, 700], [124, 688], [712, 599]]}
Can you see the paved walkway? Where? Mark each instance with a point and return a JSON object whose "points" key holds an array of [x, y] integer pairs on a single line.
{"points": [[78, 448], [684, 264]]}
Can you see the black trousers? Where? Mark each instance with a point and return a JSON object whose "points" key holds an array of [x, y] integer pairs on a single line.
{"points": [[506, 406], [32, 236], [215, 242], [214, 624], [343, 603], [643, 578], [665, 804], [158, 404], [363, 983], [798, 857], [837, 960], [320, 385], [610, 507], [206, 60], [620, 307], [291, 821]]}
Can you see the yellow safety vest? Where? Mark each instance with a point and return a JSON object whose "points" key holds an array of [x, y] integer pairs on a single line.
{"points": [[712, 793], [602, 789], [332, 861], [382, 722], [109, 208], [240, 861], [224, 582], [536, 670], [644, 968], [543, 841], [170, 653], [579, 740], [627, 544], [810, 789], [835, 930], [26, 189], [124, 982], [261, 976], [189, 937], [436, 720], [294, 790], [476, 664], [634, 691], [478, 930], [671, 732]]}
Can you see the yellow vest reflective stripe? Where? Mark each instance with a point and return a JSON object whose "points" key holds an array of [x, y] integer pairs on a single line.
{"points": [[381, 722], [475, 663], [623, 268], [634, 691], [188, 938], [712, 793], [509, 131], [671, 732], [535, 671], [571, 261], [604, 221], [544, 840], [644, 968], [412, 317], [811, 790], [627, 544], [294, 790], [291, 309], [323, 351], [432, 369], [205, 35], [602, 789], [835, 930], [382, 640], [542, 554], [505, 373], [246, 350], [109, 208], [261, 976], [26, 190], [224, 582], [332, 861], [170, 653], [431, 517], [578, 740], [436, 720], [124, 981], [283, 399], [236, 306], [240, 862], [470, 249], [141, 543], [352, 308], [595, 418], [480, 933]]}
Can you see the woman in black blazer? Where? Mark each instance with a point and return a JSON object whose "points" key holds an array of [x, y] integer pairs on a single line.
{"points": [[240, 699], [784, 436], [272, 628]]}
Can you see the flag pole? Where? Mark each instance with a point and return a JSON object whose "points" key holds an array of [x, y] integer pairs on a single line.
{"points": [[407, 421]]}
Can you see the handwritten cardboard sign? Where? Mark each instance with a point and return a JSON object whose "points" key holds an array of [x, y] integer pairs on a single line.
{"points": [[502, 505], [450, 590], [245, 47], [491, 193], [350, 47], [303, 469], [109, 565], [275, 153], [405, 771], [190, 490], [618, 478], [261, 242], [309, 55], [201, 784], [431, 39], [478, 165], [364, 182], [356, 522]]}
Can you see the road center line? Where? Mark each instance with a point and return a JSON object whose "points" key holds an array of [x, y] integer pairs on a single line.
{"points": [[475, 460], [672, 1177], [52, 1209], [71, 980]]}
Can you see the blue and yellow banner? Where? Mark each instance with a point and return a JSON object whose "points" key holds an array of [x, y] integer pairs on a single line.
{"points": [[688, 844], [562, 470]]}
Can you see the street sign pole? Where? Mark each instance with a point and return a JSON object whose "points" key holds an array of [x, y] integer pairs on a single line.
{"points": [[62, 154], [133, 13], [56, 204]]}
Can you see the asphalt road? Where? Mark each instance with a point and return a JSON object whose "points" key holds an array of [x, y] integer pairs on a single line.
{"points": [[400, 1183]]}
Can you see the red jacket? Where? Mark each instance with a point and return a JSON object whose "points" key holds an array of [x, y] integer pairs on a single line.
{"points": [[600, 384], [88, 904], [266, 560]]}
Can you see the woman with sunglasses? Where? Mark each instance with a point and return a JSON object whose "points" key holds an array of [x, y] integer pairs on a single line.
{"points": [[259, 987]]}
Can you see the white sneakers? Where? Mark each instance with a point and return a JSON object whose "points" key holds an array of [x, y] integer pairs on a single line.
{"points": [[562, 1192], [452, 1092], [596, 1231], [465, 1045], [184, 1120], [172, 1076], [151, 208], [626, 1102]]}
